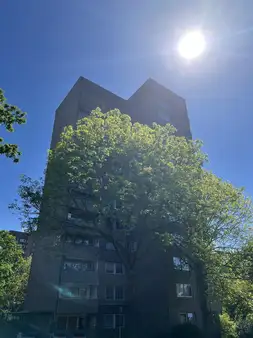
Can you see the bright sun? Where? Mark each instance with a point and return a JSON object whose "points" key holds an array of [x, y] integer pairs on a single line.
{"points": [[191, 45]]}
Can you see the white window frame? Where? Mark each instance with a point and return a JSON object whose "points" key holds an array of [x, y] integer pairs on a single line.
{"points": [[114, 268], [187, 318], [178, 285], [114, 292], [78, 296], [82, 264], [67, 321], [113, 327]]}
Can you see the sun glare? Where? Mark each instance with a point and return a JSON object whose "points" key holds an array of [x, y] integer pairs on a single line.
{"points": [[191, 45]]}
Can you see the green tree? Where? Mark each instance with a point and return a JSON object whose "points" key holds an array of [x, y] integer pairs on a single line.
{"points": [[111, 173], [14, 271], [27, 205], [228, 327], [9, 115]]}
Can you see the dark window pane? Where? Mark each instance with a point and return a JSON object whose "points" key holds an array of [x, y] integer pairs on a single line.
{"points": [[93, 292], [118, 268], [109, 267], [90, 266], [80, 323], [109, 292], [119, 293], [120, 320], [108, 321], [61, 323], [72, 323]]}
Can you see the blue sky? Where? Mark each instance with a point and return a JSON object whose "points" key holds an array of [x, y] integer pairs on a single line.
{"points": [[46, 45]]}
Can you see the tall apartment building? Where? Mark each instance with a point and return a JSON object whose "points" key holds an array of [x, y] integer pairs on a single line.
{"points": [[83, 291]]}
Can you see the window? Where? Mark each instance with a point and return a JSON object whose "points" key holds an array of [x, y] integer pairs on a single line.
{"points": [[114, 268], [180, 264], [184, 290], [96, 242], [119, 268], [62, 323], [91, 321], [109, 292], [120, 320], [88, 292], [109, 267], [75, 216], [114, 293], [78, 240], [112, 321], [186, 317], [109, 246], [22, 240], [109, 321], [70, 323], [119, 293], [79, 266], [68, 292]]}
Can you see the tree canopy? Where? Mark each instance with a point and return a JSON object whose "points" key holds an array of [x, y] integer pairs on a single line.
{"points": [[10, 115], [108, 173], [14, 271], [27, 205]]}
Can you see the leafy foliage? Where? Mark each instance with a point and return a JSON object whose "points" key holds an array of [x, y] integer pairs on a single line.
{"points": [[123, 175], [228, 327], [9, 115], [14, 271], [29, 202], [109, 173]]}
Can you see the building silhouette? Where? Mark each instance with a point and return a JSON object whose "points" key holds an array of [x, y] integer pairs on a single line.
{"points": [[82, 292]]}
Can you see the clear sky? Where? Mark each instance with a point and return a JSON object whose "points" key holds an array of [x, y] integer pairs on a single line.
{"points": [[47, 44]]}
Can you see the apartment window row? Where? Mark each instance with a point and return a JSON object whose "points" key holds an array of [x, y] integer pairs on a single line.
{"points": [[113, 321], [184, 290], [114, 293], [78, 217], [87, 292], [73, 323], [186, 317], [181, 264], [114, 268], [79, 266], [78, 240]]}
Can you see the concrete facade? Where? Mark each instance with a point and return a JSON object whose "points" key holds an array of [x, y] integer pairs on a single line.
{"points": [[25, 240], [81, 264]]}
